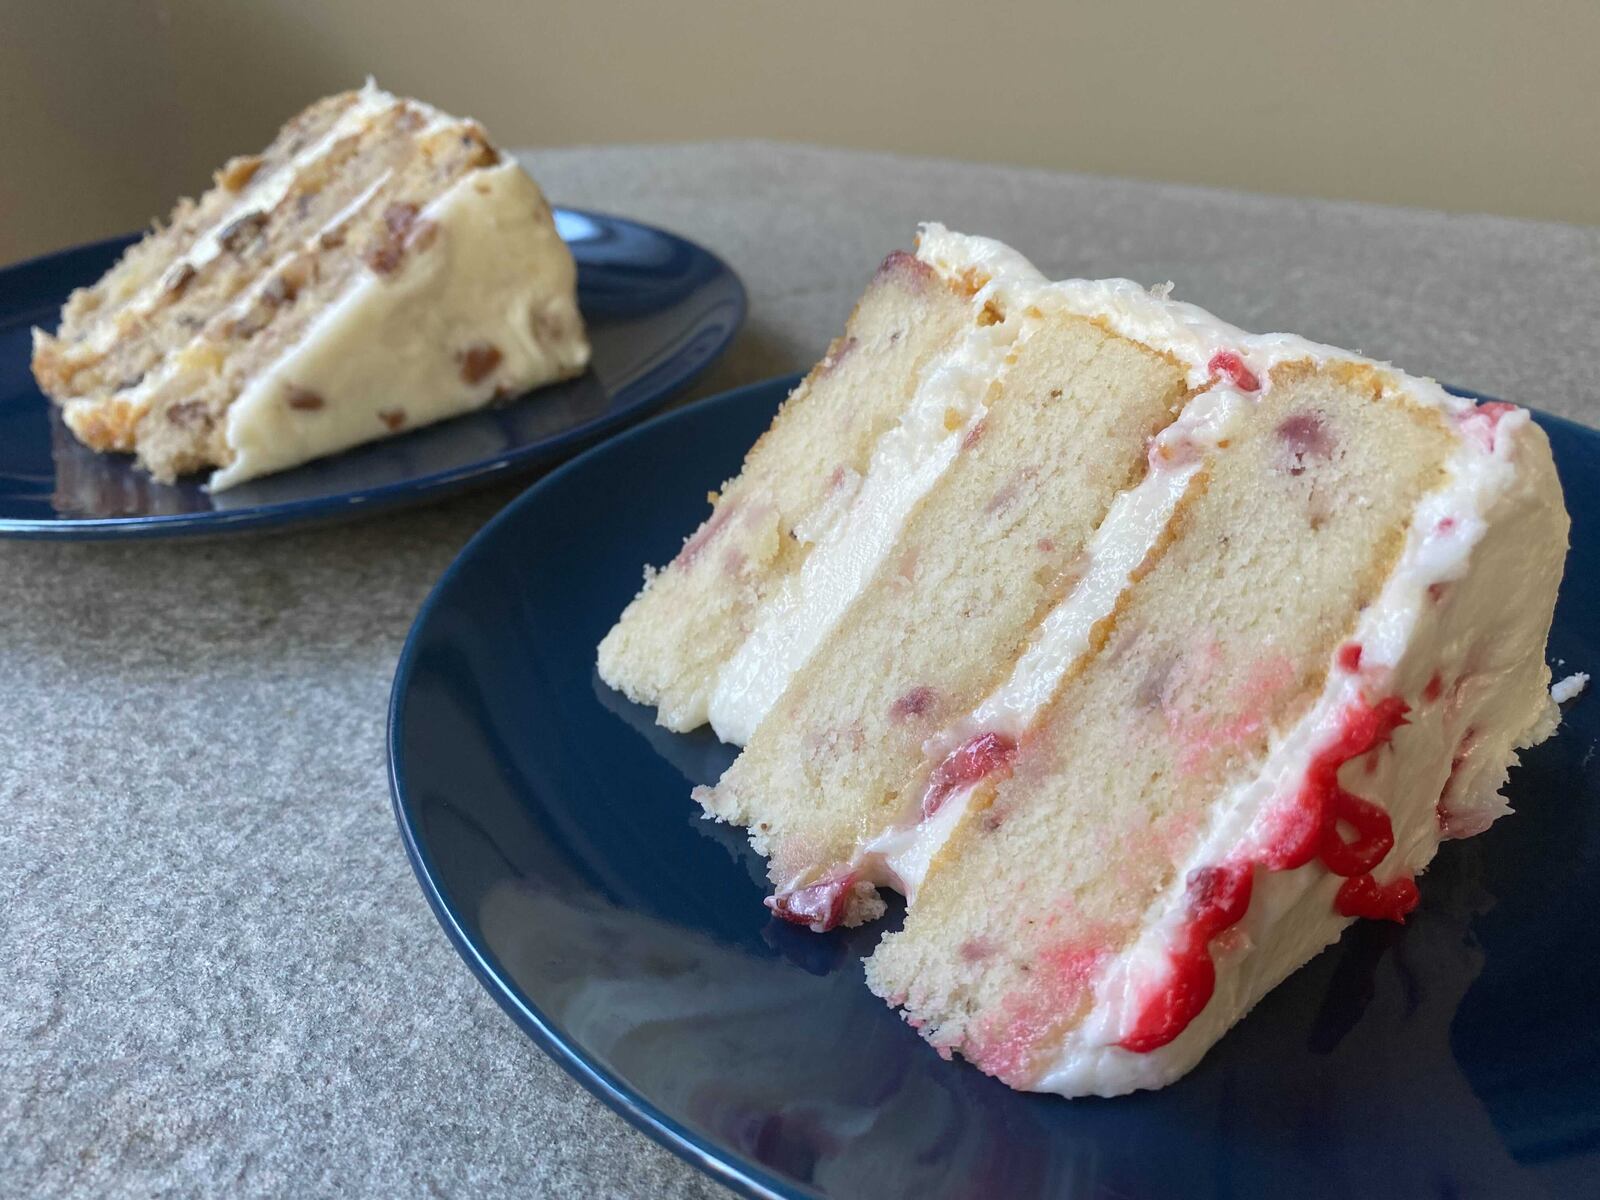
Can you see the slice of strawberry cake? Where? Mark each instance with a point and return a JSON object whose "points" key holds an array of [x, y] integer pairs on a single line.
{"points": [[1141, 654]]}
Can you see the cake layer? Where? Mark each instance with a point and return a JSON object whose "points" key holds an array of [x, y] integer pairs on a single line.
{"points": [[991, 548], [95, 317], [97, 372], [674, 640]]}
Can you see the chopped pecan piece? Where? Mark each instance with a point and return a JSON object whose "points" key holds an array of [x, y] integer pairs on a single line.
{"points": [[246, 327], [238, 234], [278, 291], [187, 413], [478, 360], [238, 172], [304, 400], [177, 279], [477, 141], [398, 218], [385, 257], [283, 287]]}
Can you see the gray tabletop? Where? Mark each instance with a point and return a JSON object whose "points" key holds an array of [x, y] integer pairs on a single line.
{"points": [[216, 971]]}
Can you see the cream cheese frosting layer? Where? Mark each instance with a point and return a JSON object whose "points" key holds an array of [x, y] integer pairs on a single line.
{"points": [[906, 463], [389, 352], [910, 458], [899, 855], [1490, 529], [263, 195], [1187, 332]]}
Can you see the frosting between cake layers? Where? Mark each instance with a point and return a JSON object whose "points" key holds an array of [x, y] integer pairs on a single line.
{"points": [[899, 855], [911, 457], [264, 194], [1465, 534], [386, 352], [950, 400]]}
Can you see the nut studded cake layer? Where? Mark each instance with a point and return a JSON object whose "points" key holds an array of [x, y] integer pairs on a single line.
{"points": [[377, 268]]}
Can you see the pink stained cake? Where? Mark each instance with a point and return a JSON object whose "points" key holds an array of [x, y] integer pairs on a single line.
{"points": [[1141, 654]]}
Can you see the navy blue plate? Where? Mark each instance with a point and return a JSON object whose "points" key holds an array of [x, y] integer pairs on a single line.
{"points": [[550, 824], [659, 309]]}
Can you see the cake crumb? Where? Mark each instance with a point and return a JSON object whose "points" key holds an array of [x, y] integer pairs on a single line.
{"points": [[1568, 688]]}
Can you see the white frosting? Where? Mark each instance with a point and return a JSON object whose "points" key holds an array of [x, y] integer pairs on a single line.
{"points": [[899, 855], [263, 195], [1569, 688], [1501, 550], [1186, 332], [391, 344], [909, 459]]}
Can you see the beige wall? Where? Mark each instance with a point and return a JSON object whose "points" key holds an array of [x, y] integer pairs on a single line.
{"points": [[108, 109]]}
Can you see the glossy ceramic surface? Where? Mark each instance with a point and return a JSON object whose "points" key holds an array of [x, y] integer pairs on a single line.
{"points": [[549, 822], [659, 309]]}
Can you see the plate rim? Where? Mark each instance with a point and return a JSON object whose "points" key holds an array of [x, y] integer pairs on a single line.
{"points": [[732, 1170], [438, 484], [745, 1178]]}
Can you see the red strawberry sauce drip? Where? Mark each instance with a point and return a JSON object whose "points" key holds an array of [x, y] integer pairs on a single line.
{"points": [[1363, 896], [1218, 897], [1349, 657], [1322, 803], [969, 762], [1374, 834], [1228, 364]]}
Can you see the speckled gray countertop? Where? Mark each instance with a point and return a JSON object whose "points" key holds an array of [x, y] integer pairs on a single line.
{"points": [[217, 974]]}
